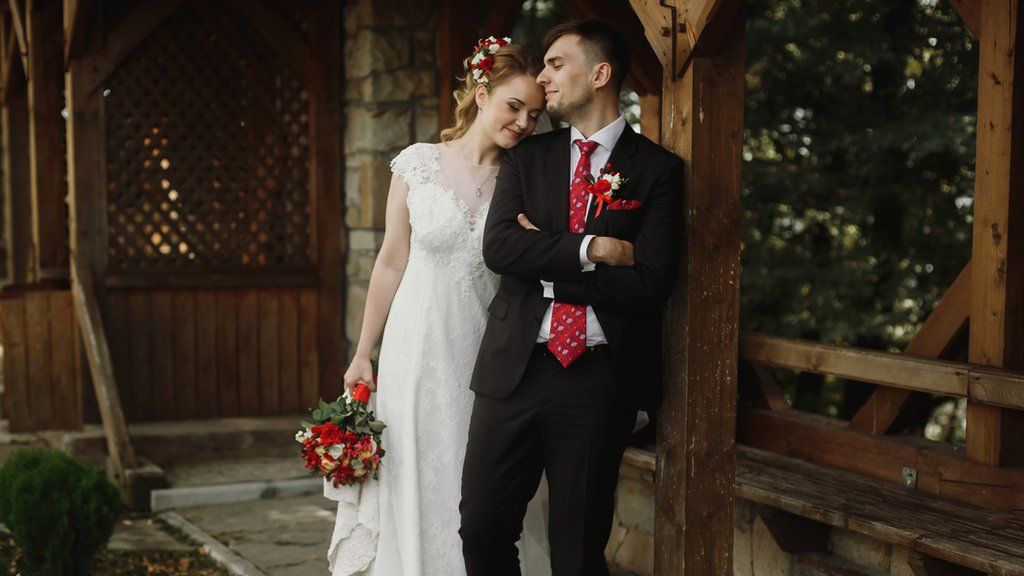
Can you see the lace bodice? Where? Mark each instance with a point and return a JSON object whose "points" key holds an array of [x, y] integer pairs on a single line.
{"points": [[445, 212]]}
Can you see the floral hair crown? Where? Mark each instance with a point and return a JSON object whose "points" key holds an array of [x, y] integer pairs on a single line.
{"points": [[482, 61]]}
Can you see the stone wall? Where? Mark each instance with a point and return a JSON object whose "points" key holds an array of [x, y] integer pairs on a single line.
{"points": [[630, 550], [390, 102]]}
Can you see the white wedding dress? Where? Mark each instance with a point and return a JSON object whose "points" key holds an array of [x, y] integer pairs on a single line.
{"points": [[428, 350]]}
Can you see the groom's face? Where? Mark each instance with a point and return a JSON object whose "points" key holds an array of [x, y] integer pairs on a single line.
{"points": [[565, 76]]}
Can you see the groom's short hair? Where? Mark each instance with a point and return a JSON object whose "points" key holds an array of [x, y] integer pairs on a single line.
{"points": [[602, 41]]}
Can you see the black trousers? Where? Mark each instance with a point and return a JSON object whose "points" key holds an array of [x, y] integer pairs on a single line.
{"points": [[573, 424]]}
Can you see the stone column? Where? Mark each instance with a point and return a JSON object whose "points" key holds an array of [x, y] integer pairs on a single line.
{"points": [[390, 102]]}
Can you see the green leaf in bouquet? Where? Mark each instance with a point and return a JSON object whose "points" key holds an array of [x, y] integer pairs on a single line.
{"points": [[321, 404], [377, 426], [318, 415]]}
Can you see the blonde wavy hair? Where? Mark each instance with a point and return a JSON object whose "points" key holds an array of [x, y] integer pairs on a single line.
{"points": [[509, 61]]}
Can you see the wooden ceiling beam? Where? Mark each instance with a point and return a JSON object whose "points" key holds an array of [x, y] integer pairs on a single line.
{"points": [[294, 49], [18, 21], [135, 28], [77, 15], [679, 30], [970, 13]]}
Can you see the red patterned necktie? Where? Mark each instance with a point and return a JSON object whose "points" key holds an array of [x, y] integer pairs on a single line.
{"points": [[569, 321]]}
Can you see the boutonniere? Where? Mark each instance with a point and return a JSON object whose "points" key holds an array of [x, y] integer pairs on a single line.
{"points": [[605, 186]]}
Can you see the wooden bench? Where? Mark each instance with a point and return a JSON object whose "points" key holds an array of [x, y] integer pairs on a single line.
{"points": [[980, 539]]}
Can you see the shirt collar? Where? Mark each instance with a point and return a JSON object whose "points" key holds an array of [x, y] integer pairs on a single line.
{"points": [[605, 137]]}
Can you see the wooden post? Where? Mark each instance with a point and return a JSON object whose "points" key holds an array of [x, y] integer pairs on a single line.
{"points": [[45, 86], [87, 224], [702, 121], [996, 436], [650, 116], [325, 126], [16, 175]]}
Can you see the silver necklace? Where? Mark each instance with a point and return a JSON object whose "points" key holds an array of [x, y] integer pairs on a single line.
{"points": [[492, 173]]}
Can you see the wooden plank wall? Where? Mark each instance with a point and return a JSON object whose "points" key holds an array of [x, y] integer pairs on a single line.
{"points": [[214, 352], [42, 376]]}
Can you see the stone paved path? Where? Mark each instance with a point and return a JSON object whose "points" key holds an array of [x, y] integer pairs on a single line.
{"points": [[286, 537]]}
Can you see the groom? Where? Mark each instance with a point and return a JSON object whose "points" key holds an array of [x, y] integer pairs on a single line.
{"points": [[573, 341]]}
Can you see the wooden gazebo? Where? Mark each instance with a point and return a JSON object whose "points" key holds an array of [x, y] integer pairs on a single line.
{"points": [[129, 296]]}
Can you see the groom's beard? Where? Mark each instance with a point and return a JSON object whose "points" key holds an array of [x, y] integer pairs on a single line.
{"points": [[571, 111]]}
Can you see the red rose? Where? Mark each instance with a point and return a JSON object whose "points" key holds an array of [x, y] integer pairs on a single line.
{"points": [[330, 434], [485, 64]]}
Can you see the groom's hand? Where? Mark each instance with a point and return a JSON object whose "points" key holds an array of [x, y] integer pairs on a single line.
{"points": [[610, 251], [525, 222]]}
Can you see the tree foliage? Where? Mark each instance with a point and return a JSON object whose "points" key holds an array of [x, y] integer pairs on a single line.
{"points": [[858, 175]]}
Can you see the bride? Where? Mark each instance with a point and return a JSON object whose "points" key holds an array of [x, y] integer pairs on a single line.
{"points": [[428, 295]]}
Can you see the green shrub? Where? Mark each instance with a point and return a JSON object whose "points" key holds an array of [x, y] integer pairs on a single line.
{"points": [[59, 510]]}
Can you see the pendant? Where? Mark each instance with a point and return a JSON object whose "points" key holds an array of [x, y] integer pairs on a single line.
{"points": [[479, 192]]}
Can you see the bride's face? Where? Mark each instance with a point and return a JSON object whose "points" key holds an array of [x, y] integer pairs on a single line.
{"points": [[509, 112]]}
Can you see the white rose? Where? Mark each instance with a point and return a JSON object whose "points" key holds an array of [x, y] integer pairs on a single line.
{"points": [[327, 464], [301, 436], [507, 39], [495, 47], [477, 57], [320, 450], [336, 450]]}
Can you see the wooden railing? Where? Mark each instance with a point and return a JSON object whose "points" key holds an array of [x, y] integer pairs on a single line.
{"points": [[765, 420], [979, 383]]}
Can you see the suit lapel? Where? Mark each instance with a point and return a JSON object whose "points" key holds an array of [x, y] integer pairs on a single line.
{"points": [[556, 178], [621, 159]]}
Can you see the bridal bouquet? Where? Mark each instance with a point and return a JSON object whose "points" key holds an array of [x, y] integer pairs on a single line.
{"points": [[342, 442]]}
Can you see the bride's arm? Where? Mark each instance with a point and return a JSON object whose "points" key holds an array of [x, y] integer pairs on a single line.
{"points": [[387, 274]]}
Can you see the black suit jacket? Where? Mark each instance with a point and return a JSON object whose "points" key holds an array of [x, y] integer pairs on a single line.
{"points": [[534, 180]]}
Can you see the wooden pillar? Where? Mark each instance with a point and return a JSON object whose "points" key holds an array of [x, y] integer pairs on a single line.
{"points": [[325, 24], [86, 158], [16, 175], [702, 121], [996, 436], [45, 100], [650, 116]]}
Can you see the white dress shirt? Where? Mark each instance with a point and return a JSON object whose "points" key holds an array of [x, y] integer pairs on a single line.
{"points": [[606, 138]]}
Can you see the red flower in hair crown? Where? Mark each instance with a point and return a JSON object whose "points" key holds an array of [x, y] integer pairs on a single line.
{"points": [[483, 58]]}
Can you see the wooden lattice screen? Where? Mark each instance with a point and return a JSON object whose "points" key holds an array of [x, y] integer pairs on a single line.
{"points": [[207, 175]]}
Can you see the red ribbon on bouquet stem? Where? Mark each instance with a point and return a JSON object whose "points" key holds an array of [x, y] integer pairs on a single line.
{"points": [[361, 393]]}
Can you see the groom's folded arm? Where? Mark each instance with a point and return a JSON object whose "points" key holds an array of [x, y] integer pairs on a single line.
{"points": [[512, 250], [649, 281]]}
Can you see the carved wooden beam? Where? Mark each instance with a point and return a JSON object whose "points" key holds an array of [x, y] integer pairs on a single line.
{"points": [[677, 30]]}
